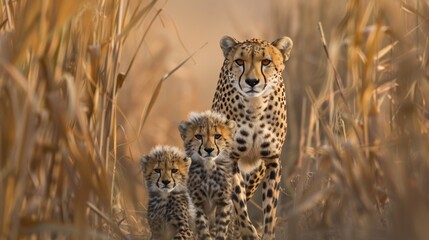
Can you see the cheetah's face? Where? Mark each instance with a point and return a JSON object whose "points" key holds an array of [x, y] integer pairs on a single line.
{"points": [[255, 66], [165, 169], [207, 135]]}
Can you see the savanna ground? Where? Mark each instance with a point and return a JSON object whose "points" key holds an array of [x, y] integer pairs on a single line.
{"points": [[86, 87]]}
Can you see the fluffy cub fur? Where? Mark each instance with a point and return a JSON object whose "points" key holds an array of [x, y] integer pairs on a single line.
{"points": [[208, 139], [170, 212]]}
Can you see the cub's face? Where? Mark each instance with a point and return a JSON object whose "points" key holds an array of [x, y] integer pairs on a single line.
{"points": [[207, 135], [165, 169], [255, 66]]}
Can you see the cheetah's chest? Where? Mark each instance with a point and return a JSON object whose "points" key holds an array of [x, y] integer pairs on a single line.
{"points": [[261, 129], [261, 122], [213, 183], [160, 210], [254, 141]]}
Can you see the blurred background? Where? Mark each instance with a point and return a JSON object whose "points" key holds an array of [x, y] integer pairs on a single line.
{"points": [[87, 87]]}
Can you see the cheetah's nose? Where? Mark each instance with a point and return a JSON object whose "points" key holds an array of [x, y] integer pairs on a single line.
{"points": [[208, 150], [166, 182], [252, 82]]}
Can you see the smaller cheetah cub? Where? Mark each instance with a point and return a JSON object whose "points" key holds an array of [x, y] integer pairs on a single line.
{"points": [[171, 213], [208, 139]]}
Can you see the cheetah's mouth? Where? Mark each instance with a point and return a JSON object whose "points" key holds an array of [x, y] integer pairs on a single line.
{"points": [[203, 157], [209, 156], [252, 93], [166, 189]]}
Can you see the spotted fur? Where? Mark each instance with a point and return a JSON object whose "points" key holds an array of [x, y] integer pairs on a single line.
{"points": [[208, 139], [251, 92], [171, 213]]}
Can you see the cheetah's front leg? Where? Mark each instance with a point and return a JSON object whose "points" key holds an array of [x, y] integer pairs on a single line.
{"points": [[183, 225], [270, 195], [184, 231], [201, 223], [246, 227], [223, 218], [253, 179]]}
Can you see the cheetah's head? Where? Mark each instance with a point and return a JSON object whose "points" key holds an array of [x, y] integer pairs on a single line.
{"points": [[165, 169], [255, 66], [207, 135]]}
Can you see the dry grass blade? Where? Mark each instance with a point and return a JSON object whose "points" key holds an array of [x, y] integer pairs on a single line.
{"points": [[387, 49], [337, 76], [2, 24], [107, 219], [410, 9], [176, 31], [155, 94], [141, 43], [15, 74], [134, 21]]}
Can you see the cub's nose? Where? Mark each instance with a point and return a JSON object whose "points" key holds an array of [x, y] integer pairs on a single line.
{"points": [[208, 150], [252, 82], [166, 182]]}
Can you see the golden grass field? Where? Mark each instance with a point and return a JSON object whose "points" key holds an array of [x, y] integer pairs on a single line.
{"points": [[87, 87]]}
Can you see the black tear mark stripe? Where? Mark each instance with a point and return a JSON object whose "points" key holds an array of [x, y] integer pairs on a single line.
{"points": [[215, 142], [174, 180], [265, 78], [217, 147], [241, 75], [201, 143], [159, 177]]}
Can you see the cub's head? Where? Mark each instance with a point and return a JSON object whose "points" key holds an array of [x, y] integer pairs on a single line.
{"points": [[255, 66], [165, 169], [207, 135]]}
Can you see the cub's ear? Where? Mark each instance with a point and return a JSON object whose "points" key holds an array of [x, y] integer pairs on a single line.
{"points": [[232, 126], [284, 44], [227, 43], [187, 162], [183, 128], [143, 161]]}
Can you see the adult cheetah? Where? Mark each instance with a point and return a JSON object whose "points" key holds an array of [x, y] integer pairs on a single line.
{"points": [[251, 92]]}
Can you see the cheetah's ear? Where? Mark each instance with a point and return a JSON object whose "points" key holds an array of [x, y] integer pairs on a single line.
{"points": [[284, 44], [227, 43], [143, 161], [232, 126], [183, 128], [187, 162]]}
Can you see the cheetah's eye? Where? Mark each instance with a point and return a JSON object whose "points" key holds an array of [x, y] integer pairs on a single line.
{"points": [[174, 170], [198, 136], [266, 62], [217, 136], [157, 170], [239, 62]]}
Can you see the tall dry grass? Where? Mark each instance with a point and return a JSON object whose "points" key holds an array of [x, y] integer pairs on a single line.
{"points": [[60, 64], [356, 161]]}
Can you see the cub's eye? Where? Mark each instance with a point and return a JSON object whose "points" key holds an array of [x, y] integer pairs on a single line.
{"points": [[157, 170], [174, 170], [266, 62], [198, 136], [239, 62], [217, 136]]}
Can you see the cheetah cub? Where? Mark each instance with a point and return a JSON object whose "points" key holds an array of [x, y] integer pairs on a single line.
{"points": [[208, 139], [171, 213]]}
